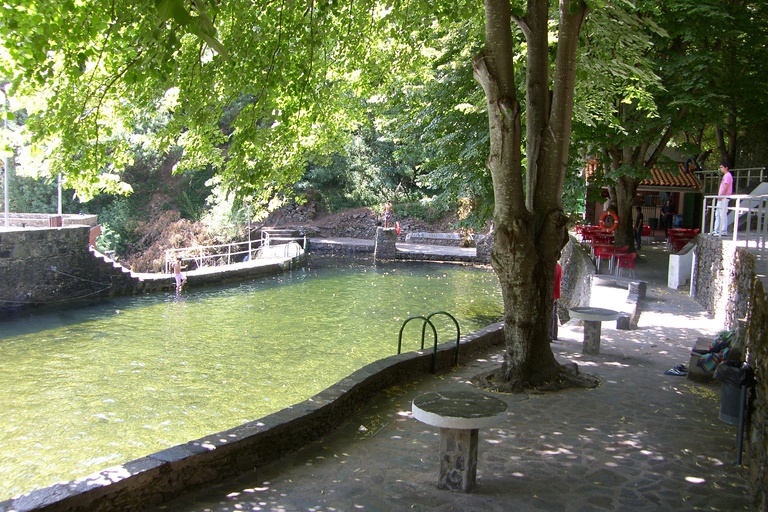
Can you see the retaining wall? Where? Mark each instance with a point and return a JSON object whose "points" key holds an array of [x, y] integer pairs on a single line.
{"points": [[726, 285], [722, 280], [40, 267], [756, 456], [45, 220], [49, 267]]}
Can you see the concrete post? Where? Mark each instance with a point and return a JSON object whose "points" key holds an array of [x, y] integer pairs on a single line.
{"points": [[386, 241]]}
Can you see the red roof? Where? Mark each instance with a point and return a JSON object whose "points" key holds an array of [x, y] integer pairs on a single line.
{"points": [[683, 179], [659, 178]]}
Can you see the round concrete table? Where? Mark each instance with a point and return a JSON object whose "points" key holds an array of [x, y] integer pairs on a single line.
{"points": [[459, 415], [593, 318]]}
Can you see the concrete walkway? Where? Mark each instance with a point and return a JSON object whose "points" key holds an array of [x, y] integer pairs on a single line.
{"points": [[642, 440]]}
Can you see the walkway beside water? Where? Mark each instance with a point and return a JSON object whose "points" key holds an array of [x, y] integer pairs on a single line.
{"points": [[642, 440]]}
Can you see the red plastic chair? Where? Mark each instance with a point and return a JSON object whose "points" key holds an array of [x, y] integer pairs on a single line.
{"points": [[627, 261], [601, 252]]}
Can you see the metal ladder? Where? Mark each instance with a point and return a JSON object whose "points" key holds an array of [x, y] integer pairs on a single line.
{"points": [[427, 321]]}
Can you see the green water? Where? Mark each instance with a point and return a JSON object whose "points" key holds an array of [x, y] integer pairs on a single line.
{"points": [[88, 388]]}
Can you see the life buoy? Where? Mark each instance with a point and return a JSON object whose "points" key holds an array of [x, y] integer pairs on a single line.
{"points": [[612, 221], [397, 228]]}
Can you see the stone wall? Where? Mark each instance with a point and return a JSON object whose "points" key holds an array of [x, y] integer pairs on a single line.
{"points": [[39, 267], [578, 272], [48, 267], [726, 285], [484, 248], [757, 425], [45, 220], [385, 244], [722, 280]]}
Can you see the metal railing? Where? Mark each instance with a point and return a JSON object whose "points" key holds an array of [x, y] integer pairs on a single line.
{"points": [[427, 321], [747, 217], [743, 179], [237, 252], [273, 235], [212, 255]]}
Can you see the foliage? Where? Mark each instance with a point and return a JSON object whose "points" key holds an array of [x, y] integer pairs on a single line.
{"points": [[425, 210], [116, 220], [366, 173], [437, 116], [39, 196]]}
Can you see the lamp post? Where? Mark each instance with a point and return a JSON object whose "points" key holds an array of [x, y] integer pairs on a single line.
{"points": [[6, 164]]}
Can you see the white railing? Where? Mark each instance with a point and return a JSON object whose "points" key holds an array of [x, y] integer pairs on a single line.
{"points": [[237, 252], [747, 217], [742, 178], [212, 255], [270, 236]]}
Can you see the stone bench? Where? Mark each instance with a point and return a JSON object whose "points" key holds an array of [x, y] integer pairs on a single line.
{"points": [[449, 239], [593, 319], [459, 415]]}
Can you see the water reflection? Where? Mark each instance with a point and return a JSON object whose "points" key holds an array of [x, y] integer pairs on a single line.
{"points": [[86, 388]]}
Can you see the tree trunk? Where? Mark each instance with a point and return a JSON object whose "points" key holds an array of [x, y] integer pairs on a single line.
{"points": [[529, 223], [625, 191]]}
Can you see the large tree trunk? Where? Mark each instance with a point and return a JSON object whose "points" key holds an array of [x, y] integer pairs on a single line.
{"points": [[529, 222], [625, 192]]}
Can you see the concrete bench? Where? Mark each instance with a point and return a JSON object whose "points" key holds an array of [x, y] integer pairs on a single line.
{"points": [[459, 415], [593, 319], [448, 239]]}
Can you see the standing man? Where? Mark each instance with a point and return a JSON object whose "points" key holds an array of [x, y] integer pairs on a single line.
{"points": [[639, 221], [667, 216], [726, 189]]}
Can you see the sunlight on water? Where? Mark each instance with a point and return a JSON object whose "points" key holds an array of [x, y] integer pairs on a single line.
{"points": [[87, 388]]}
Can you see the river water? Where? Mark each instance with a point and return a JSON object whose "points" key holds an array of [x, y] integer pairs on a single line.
{"points": [[92, 387]]}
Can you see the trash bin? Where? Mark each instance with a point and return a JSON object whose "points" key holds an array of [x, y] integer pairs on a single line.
{"points": [[735, 377], [654, 223]]}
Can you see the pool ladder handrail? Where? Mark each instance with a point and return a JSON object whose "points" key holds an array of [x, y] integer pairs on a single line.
{"points": [[434, 332]]}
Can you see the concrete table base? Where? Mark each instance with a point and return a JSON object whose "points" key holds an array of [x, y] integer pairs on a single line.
{"points": [[458, 459], [593, 318], [459, 414]]}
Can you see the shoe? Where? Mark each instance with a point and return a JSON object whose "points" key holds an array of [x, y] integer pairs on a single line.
{"points": [[675, 371]]}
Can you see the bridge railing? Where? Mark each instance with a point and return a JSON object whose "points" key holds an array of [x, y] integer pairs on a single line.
{"points": [[272, 244], [212, 255]]}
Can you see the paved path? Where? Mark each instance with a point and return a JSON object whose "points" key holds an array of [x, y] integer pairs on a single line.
{"points": [[641, 441]]}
